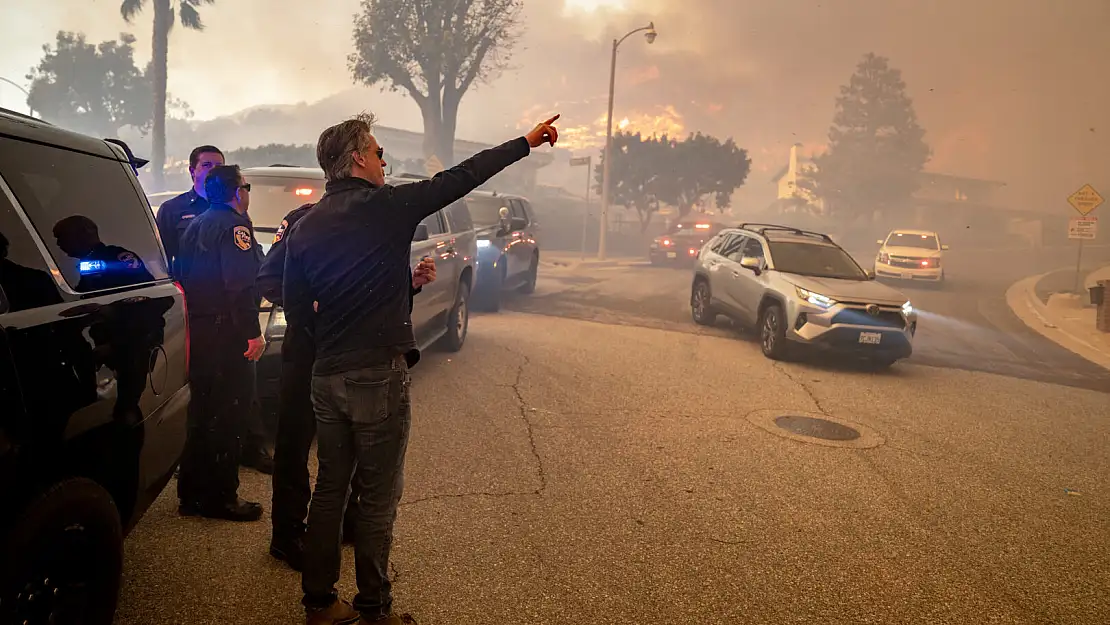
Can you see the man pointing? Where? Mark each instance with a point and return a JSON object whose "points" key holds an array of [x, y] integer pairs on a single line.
{"points": [[350, 254]]}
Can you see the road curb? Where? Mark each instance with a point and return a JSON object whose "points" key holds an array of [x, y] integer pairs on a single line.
{"points": [[1024, 303]]}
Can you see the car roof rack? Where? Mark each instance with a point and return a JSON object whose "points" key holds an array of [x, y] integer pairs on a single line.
{"points": [[764, 228], [136, 162]]}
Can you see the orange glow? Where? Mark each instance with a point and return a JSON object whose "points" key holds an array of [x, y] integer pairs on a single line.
{"points": [[702, 226], [302, 191], [666, 242], [587, 135]]}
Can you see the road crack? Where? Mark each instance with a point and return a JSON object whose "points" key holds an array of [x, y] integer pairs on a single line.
{"points": [[802, 385], [528, 425]]}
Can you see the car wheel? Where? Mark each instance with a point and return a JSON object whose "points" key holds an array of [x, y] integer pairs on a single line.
{"points": [[882, 364], [701, 307], [488, 295], [529, 286], [772, 332], [458, 320], [63, 558]]}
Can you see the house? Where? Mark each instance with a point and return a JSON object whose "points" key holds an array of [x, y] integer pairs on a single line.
{"points": [[791, 197]]}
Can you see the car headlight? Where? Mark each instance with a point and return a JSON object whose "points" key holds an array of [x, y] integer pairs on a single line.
{"points": [[907, 308], [483, 243], [818, 300]]}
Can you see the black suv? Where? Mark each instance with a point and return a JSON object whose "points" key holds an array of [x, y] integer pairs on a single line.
{"points": [[93, 362], [508, 249], [440, 312]]}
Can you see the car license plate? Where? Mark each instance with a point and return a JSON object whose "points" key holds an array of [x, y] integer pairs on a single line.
{"points": [[870, 338], [907, 276], [672, 254]]}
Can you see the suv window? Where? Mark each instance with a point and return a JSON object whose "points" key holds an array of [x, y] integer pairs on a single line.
{"points": [[458, 217], [518, 211], [721, 242], [435, 224], [24, 275], [485, 210], [272, 197], [102, 239]]}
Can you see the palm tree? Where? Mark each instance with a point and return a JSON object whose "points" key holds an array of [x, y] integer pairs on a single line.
{"points": [[164, 17]]}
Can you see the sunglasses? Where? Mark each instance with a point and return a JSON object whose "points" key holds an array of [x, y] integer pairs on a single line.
{"points": [[380, 152], [246, 186]]}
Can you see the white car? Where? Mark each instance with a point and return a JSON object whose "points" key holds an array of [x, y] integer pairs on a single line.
{"points": [[913, 255]]}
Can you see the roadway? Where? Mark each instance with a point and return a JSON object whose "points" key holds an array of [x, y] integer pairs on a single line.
{"points": [[628, 470]]}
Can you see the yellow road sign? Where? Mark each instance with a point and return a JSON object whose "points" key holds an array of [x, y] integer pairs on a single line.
{"points": [[432, 166], [1085, 200]]}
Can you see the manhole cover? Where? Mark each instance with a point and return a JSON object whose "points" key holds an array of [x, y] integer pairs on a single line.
{"points": [[813, 428], [817, 428]]}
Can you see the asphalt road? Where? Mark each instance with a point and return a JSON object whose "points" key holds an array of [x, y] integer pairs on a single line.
{"points": [[565, 472], [964, 325]]}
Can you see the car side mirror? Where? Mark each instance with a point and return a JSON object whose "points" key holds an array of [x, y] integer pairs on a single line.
{"points": [[421, 233], [518, 223], [880, 241], [870, 274], [944, 248], [751, 263]]}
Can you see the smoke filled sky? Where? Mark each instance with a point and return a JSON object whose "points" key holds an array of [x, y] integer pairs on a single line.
{"points": [[1013, 90]]}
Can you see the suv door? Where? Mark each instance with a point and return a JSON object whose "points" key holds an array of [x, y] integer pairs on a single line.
{"points": [[744, 286], [101, 345], [721, 269], [432, 303], [521, 243]]}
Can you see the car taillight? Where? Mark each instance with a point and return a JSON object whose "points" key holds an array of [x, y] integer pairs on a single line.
{"points": [[185, 311], [693, 251], [667, 242]]}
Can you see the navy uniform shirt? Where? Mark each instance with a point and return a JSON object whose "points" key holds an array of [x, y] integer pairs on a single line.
{"points": [[109, 267], [174, 216], [298, 340], [351, 254], [218, 269]]}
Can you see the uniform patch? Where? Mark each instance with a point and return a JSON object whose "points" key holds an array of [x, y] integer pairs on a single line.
{"points": [[128, 259], [242, 237], [281, 230]]}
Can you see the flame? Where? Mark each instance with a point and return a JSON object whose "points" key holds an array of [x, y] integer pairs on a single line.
{"points": [[664, 120]]}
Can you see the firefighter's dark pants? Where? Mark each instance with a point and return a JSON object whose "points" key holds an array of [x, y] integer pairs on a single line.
{"points": [[220, 386]]}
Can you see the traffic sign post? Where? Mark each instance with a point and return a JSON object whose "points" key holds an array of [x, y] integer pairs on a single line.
{"points": [[587, 162], [1084, 201]]}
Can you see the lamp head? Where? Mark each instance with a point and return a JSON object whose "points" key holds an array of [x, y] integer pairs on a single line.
{"points": [[650, 35]]}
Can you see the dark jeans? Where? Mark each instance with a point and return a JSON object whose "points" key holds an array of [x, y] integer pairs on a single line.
{"points": [[219, 381], [362, 420], [296, 427]]}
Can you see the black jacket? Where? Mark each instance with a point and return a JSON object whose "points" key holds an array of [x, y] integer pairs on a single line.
{"points": [[297, 344], [174, 216], [351, 254], [219, 264]]}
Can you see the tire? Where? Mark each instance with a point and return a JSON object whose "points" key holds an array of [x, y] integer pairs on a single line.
{"points": [[458, 320], [487, 297], [701, 307], [772, 332], [67, 546], [881, 364], [529, 286]]}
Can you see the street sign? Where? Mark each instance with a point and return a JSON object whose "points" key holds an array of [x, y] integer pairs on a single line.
{"points": [[580, 161], [1085, 200], [432, 166], [1083, 228]]}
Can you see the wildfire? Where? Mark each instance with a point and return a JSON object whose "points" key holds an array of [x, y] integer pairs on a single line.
{"points": [[664, 120]]}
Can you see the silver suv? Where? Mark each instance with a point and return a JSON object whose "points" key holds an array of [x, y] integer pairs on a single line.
{"points": [[800, 287]]}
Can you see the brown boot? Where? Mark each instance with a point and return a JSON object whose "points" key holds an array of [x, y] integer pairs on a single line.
{"points": [[338, 613]]}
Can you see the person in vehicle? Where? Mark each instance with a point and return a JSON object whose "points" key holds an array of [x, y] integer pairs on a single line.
{"points": [[218, 269], [296, 421], [24, 288], [347, 273], [101, 266]]}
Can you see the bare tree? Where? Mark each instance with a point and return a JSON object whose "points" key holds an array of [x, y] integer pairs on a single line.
{"points": [[434, 50]]}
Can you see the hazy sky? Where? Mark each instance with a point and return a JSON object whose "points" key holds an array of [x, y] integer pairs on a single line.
{"points": [[1006, 89]]}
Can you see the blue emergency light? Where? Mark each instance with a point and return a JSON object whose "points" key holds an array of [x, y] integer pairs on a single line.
{"points": [[91, 266]]}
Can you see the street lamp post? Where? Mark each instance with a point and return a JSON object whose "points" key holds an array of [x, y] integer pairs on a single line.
{"points": [[30, 111], [650, 35]]}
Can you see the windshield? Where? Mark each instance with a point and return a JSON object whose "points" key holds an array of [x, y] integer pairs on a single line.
{"points": [[906, 239], [819, 261], [485, 210], [272, 198]]}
